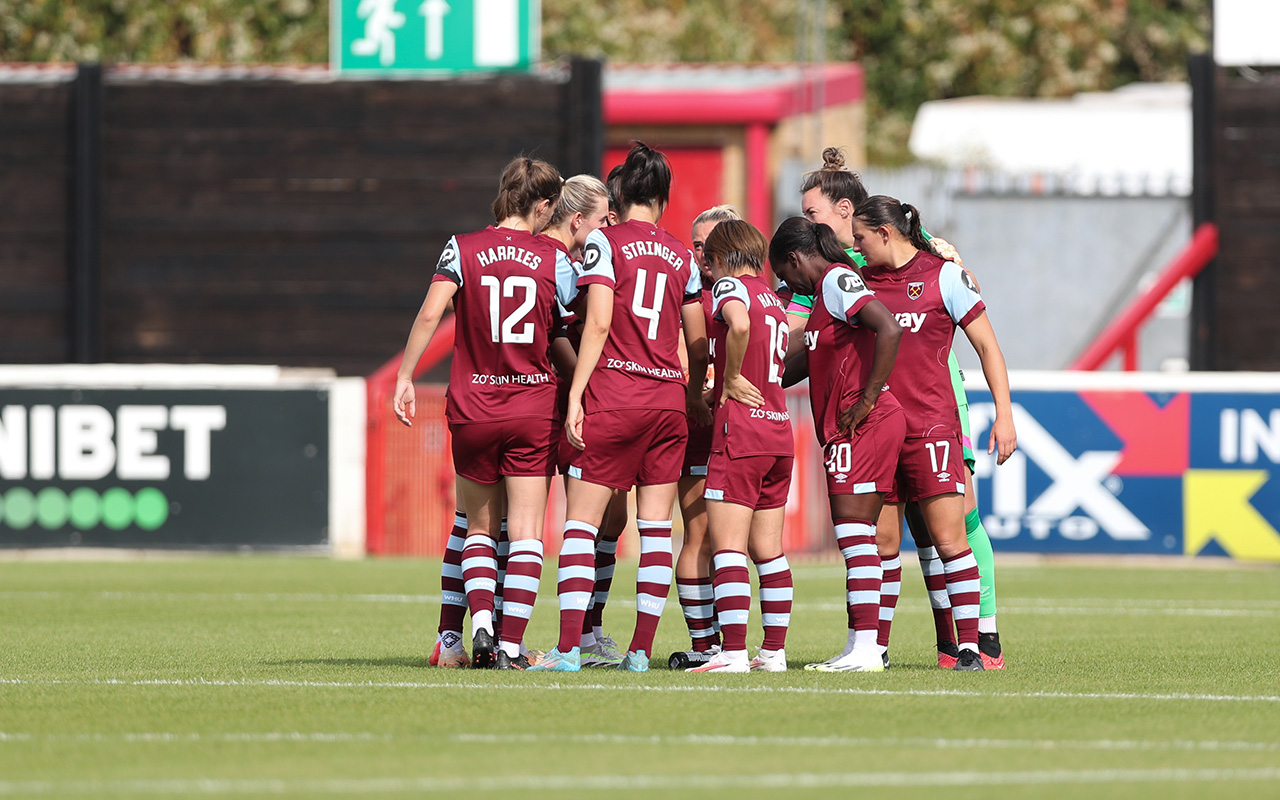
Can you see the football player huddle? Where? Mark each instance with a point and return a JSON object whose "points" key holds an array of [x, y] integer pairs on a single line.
{"points": [[591, 342]]}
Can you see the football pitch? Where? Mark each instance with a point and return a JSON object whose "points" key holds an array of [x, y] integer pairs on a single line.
{"points": [[261, 676]]}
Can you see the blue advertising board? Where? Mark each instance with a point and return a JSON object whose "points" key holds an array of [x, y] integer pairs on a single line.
{"points": [[1132, 463]]}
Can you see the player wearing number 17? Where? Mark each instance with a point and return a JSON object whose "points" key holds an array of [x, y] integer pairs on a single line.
{"points": [[628, 401], [501, 403], [931, 297]]}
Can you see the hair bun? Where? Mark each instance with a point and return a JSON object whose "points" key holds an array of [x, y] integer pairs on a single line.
{"points": [[833, 158]]}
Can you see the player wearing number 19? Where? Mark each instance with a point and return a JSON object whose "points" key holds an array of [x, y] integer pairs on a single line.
{"points": [[628, 401], [501, 403], [749, 472]]}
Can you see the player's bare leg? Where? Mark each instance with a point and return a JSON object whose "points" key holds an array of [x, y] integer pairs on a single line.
{"points": [[526, 504], [944, 517], [988, 635], [935, 584], [599, 650], [777, 590], [585, 505], [483, 504], [653, 580], [856, 519], [449, 651], [731, 525], [889, 546], [693, 575]]}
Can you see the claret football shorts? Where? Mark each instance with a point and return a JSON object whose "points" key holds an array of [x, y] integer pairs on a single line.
{"points": [[632, 447], [929, 466], [757, 482], [866, 460], [486, 452]]}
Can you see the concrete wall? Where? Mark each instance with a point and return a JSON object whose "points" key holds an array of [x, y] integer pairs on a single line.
{"points": [[1054, 268]]}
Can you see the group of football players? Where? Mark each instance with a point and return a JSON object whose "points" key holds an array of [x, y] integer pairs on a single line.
{"points": [[584, 337]]}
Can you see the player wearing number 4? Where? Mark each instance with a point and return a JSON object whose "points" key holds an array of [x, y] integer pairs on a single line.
{"points": [[934, 296], [628, 402], [851, 341], [501, 403], [749, 472]]}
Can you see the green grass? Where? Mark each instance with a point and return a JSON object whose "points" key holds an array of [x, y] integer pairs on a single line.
{"points": [[268, 676]]}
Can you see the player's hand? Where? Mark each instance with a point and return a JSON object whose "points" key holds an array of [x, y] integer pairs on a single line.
{"points": [[573, 423], [698, 410], [946, 250], [740, 389], [1003, 438], [404, 401], [853, 416]]}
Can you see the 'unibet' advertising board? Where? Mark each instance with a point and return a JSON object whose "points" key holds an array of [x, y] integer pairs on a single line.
{"points": [[163, 468], [1125, 470]]}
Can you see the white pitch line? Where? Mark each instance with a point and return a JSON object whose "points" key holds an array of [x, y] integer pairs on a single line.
{"points": [[533, 685], [685, 740], [783, 780], [1072, 606]]}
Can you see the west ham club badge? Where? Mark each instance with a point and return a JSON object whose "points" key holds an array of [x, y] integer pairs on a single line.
{"points": [[915, 289]]}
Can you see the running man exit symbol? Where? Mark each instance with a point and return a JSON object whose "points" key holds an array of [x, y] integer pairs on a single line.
{"points": [[380, 23]]}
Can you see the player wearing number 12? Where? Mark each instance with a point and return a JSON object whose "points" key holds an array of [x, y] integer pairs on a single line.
{"points": [[752, 450], [628, 401], [501, 403]]}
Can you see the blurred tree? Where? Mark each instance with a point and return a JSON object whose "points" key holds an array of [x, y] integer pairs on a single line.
{"points": [[913, 50], [214, 31]]}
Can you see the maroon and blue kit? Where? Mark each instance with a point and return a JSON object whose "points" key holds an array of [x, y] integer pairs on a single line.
{"points": [[635, 430], [501, 402], [930, 297], [752, 449], [840, 350]]}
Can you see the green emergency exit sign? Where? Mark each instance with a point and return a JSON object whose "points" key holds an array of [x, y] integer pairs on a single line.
{"points": [[406, 37]]}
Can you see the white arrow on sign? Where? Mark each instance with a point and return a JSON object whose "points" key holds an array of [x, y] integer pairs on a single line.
{"points": [[434, 11]]}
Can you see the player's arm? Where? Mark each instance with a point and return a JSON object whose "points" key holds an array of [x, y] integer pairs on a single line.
{"points": [[983, 338], [695, 337], [563, 357], [795, 368], [439, 296], [874, 316], [737, 387], [595, 332], [799, 309]]}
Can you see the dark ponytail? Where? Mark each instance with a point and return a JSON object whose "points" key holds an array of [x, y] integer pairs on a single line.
{"points": [[646, 177], [903, 217], [799, 235]]}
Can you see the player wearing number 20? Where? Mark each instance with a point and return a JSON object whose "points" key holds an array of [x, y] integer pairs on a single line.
{"points": [[851, 342], [628, 401], [501, 403], [752, 450]]}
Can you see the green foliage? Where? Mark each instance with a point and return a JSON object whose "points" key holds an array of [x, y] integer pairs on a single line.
{"points": [[918, 50], [913, 50], [213, 31]]}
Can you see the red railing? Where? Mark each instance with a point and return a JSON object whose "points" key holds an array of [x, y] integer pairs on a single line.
{"points": [[1122, 333], [388, 442]]}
